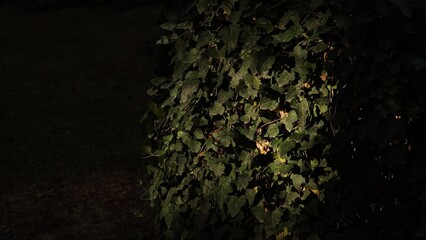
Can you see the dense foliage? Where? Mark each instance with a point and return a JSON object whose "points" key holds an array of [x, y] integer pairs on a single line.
{"points": [[268, 102]]}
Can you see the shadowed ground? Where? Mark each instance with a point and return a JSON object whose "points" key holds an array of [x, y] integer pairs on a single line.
{"points": [[72, 91]]}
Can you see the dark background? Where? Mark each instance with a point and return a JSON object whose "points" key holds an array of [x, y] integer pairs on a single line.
{"points": [[73, 77]]}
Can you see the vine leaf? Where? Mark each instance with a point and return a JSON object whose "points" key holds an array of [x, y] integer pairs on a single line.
{"points": [[235, 204], [268, 104], [188, 90], [289, 34], [285, 147], [272, 131], [258, 213], [223, 191], [297, 180], [289, 119], [285, 78], [217, 109]]}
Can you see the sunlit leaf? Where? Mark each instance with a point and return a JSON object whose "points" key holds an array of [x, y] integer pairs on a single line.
{"points": [[272, 131], [297, 180], [289, 34], [268, 104], [217, 109], [263, 146], [289, 120], [285, 77]]}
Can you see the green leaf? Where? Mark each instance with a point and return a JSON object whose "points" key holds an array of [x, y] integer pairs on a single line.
{"points": [[236, 16], [230, 35], [250, 195], [297, 180], [167, 215], [168, 26], [292, 92], [311, 24], [213, 53], [285, 78], [218, 169], [184, 136], [291, 15], [188, 89], [303, 112], [192, 56], [289, 34], [224, 96], [272, 131], [259, 213], [248, 93], [266, 65], [290, 120], [291, 197], [320, 47], [285, 147], [268, 104], [252, 81], [223, 190], [273, 218], [179, 69], [154, 108], [278, 167], [201, 5], [265, 24], [306, 145], [158, 81], [204, 38], [245, 119], [299, 54], [194, 145], [146, 150], [217, 109], [243, 181], [235, 204], [198, 134], [226, 137], [187, 25], [152, 91]]}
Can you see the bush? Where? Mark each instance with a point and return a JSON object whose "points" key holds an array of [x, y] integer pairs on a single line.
{"points": [[243, 130], [266, 101]]}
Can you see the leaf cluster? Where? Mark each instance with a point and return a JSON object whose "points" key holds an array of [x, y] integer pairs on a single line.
{"points": [[267, 100]]}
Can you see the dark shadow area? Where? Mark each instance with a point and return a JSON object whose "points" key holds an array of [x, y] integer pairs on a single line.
{"points": [[380, 117], [72, 91]]}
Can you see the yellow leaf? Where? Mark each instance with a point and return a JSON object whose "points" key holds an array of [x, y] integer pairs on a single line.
{"points": [[280, 159], [324, 75], [283, 114], [307, 85], [263, 146], [282, 235], [315, 191]]}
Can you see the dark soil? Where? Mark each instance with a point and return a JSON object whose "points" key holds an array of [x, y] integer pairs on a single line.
{"points": [[72, 92]]}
